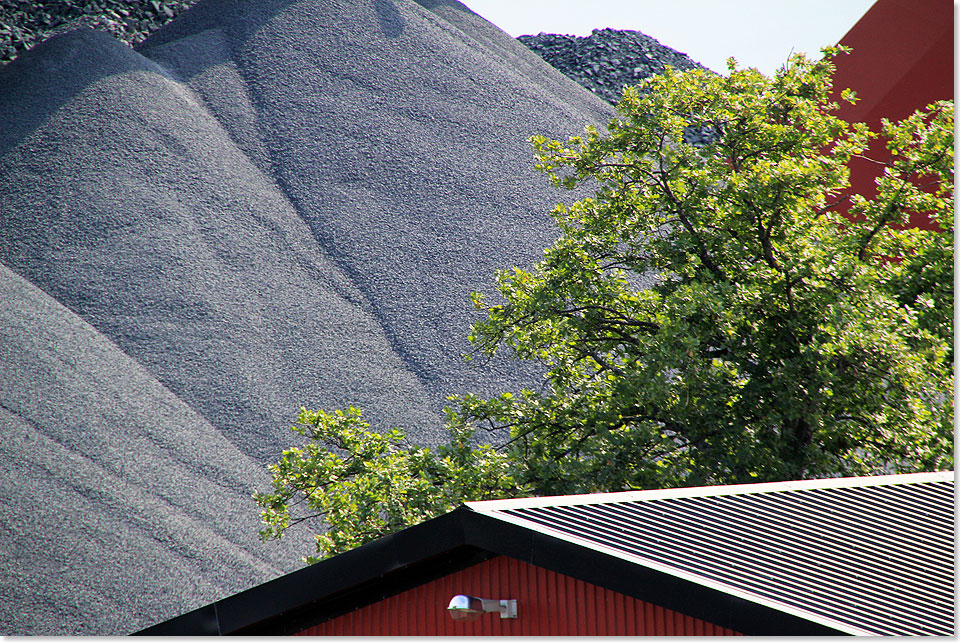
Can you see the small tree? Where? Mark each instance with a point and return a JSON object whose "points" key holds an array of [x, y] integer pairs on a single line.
{"points": [[708, 316], [362, 484]]}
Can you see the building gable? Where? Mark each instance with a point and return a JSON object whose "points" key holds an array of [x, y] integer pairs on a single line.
{"points": [[549, 603], [869, 555]]}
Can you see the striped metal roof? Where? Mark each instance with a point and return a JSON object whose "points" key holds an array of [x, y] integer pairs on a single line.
{"points": [[869, 555]]}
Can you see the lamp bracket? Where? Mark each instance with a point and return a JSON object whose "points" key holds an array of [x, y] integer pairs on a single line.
{"points": [[506, 608]]}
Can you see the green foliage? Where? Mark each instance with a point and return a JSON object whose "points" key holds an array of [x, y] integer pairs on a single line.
{"points": [[707, 317], [364, 484], [778, 340]]}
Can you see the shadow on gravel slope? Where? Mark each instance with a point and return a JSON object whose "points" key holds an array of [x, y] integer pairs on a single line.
{"points": [[267, 204]]}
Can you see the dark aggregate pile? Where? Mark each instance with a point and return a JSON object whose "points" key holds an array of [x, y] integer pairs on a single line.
{"points": [[608, 59], [603, 62], [24, 24], [263, 205]]}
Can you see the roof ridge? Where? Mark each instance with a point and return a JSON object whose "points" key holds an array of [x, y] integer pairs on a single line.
{"points": [[494, 505]]}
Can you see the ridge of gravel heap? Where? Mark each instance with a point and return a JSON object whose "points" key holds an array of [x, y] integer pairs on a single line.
{"points": [[603, 62], [24, 24], [264, 204], [608, 59]]}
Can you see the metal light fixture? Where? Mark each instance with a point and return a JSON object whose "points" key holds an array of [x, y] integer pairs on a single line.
{"points": [[466, 608]]}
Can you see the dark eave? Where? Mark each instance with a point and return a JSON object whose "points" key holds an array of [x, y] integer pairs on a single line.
{"points": [[336, 585], [443, 545]]}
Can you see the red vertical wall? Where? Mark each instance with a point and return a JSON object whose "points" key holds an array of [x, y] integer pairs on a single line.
{"points": [[902, 60], [548, 603]]}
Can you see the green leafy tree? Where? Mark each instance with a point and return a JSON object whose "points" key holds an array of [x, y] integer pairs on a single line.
{"points": [[363, 484], [778, 340], [708, 316]]}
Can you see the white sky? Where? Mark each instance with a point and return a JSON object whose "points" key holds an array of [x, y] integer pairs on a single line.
{"points": [[758, 33]]}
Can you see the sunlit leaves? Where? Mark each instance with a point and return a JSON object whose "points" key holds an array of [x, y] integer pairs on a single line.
{"points": [[355, 484], [778, 339], [706, 316]]}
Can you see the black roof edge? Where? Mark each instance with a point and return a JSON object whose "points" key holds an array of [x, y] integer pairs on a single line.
{"points": [[463, 537], [261, 605]]}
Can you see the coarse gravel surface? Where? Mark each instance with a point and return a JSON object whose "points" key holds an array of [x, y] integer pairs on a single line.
{"points": [[119, 504], [264, 205], [608, 59]]}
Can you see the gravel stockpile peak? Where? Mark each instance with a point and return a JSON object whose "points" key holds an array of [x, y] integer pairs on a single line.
{"points": [[265, 204], [262, 205], [608, 59], [24, 24], [602, 62]]}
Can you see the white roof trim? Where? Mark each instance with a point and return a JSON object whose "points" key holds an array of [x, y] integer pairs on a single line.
{"points": [[690, 577], [489, 506]]}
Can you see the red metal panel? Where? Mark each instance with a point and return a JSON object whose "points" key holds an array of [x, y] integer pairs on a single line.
{"points": [[898, 42], [548, 604], [902, 60]]}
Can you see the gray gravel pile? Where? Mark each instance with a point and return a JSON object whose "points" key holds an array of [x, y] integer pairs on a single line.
{"points": [[608, 59], [24, 24], [266, 204]]}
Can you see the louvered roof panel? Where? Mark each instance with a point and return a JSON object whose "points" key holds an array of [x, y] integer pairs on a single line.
{"points": [[873, 555]]}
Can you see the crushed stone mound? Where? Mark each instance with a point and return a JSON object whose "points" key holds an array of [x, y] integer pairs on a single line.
{"points": [[25, 24], [119, 504], [265, 205], [608, 60]]}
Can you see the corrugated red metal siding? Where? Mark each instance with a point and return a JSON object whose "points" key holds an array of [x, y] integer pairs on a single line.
{"points": [[548, 603]]}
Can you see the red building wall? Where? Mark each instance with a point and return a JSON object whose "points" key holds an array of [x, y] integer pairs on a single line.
{"points": [[548, 603], [902, 60]]}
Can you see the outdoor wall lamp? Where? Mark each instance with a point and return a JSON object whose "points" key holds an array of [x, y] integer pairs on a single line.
{"points": [[466, 608]]}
